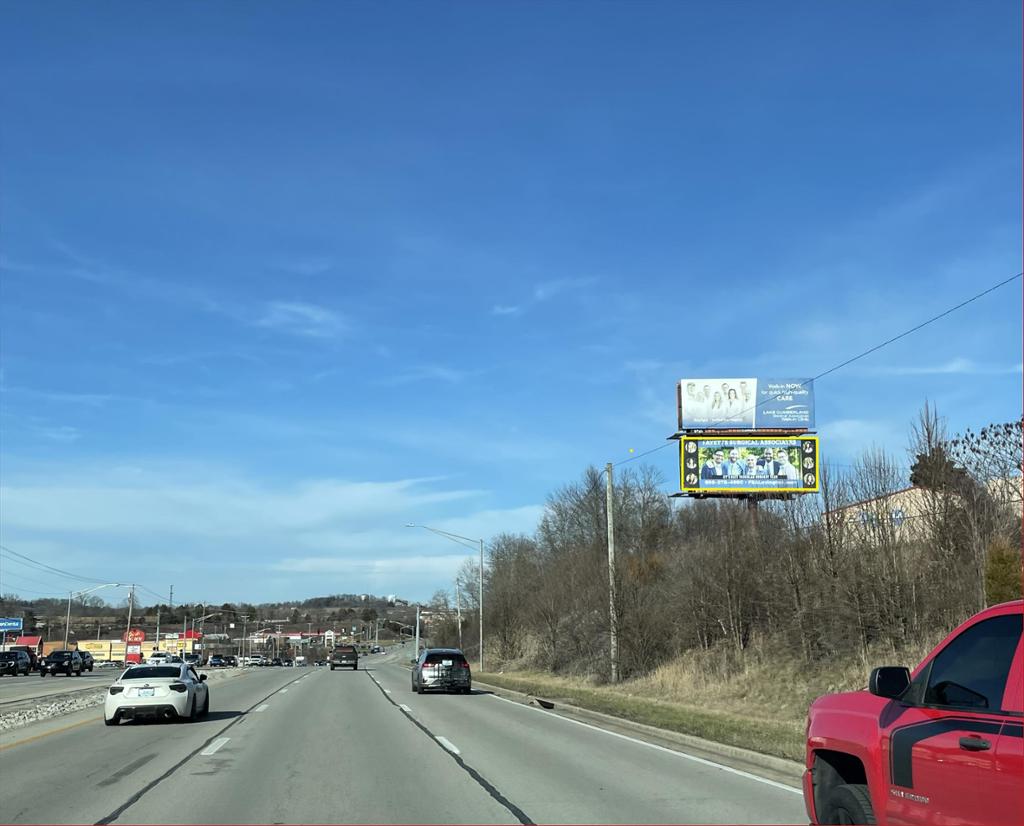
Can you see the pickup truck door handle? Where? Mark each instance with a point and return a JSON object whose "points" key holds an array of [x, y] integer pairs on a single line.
{"points": [[974, 744]]}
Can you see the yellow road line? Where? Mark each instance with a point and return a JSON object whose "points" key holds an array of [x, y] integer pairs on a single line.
{"points": [[47, 734]]}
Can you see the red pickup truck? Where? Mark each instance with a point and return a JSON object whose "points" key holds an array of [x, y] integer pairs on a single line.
{"points": [[942, 745]]}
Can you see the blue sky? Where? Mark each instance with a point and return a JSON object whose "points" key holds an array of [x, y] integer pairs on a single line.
{"points": [[280, 278]]}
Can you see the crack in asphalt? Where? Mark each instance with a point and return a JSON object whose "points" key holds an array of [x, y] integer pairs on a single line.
{"points": [[484, 783], [135, 798]]}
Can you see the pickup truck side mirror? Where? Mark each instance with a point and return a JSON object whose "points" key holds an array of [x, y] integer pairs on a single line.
{"points": [[889, 681]]}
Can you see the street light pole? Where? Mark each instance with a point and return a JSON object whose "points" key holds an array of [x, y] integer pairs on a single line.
{"points": [[481, 601], [462, 540]]}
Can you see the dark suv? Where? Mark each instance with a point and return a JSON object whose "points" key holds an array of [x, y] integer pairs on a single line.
{"points": [[345, 656], [61, 662], [88, 663], [14, 663]]}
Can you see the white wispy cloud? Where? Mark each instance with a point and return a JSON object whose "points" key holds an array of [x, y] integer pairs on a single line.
{"points": [[506, 309], [149, 521], [549, 289], [955, 366], [429, 372], [62, 433], [302, 319]]}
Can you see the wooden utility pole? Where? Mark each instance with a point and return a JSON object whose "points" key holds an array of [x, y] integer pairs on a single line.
{"points": [[613, 625]]}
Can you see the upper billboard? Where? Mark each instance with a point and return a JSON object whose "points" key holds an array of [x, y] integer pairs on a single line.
{"points": [[745, 404]]}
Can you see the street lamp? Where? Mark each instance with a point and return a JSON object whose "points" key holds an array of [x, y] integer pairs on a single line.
{"points": [[461, 540], [67, 624]]}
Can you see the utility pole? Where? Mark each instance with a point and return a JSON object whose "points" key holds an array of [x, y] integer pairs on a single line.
{"points": [[416, 653], [613, 624], [481, 601], [131, 604], [157, 627], [67, 624], [170, 599], [458, 608]]}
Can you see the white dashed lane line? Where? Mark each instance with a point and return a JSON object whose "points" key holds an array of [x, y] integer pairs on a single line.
{"points": [[284, 691], [405, 708], [448, 744], [263, 707], [214, 746]]}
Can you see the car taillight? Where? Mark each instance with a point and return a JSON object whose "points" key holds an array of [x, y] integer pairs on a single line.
{"points": [[464, 664], [179, 687], [116, 689]]}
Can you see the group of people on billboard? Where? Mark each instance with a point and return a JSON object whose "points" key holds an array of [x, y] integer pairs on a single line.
{"points": [[747, 463], [723, 403]]}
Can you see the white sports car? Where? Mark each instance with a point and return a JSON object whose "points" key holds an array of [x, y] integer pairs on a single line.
{"points": [[175, 691]]}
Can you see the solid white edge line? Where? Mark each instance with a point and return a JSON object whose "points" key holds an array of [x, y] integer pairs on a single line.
{"points": [[214, 746], [405, 708], [263, 707], [682, 754], [448, 744]]}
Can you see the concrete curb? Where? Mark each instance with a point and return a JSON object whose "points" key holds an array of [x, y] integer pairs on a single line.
{"points": [[775, 768]]}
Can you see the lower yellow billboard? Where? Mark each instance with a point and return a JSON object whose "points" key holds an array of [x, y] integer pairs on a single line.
{"points": [[750, 464]]}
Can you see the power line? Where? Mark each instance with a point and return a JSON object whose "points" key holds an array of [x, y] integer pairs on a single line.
{"points": [[857, 357], [26, 560]]}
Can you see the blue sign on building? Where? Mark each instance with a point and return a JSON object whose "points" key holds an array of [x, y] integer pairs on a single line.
{"points": [[10, 624]]}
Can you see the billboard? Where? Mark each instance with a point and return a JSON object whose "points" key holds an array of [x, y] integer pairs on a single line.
{"points": [[10, 624], [745, 404], [752, 464]]}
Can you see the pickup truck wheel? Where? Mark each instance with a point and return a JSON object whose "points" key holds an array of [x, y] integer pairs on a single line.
{"points": [[355, 666], [332, 666], [850, 804]]}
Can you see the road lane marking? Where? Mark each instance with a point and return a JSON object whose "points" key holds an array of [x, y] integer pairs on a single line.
{"points": [[214, 746], [386, 690], [61, 730], [682, 754], [405, 708], [448, 744], [263, 707], [283, 691]]}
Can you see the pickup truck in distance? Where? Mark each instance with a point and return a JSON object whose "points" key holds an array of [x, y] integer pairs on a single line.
{"points": [[345, 656], [941, 745]]}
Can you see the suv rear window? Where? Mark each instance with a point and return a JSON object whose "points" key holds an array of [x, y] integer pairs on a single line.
{"points": [[436, 658], [345, 649]]}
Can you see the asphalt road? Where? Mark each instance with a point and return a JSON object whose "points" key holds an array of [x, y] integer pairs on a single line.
{"points": [[315, 746], [17, 689]]}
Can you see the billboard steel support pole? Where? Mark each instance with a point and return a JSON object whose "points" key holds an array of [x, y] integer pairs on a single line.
{"points": [[613, 619]]}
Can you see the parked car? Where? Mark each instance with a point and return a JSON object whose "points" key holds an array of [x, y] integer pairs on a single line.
{"points": [[345, 656], [14, 663], [940, 745], [230, 660], [61, 662], [193, 659], [87, 660], [443, 669], [158, 658], [157, 691], [216, 661], [276, 661]]}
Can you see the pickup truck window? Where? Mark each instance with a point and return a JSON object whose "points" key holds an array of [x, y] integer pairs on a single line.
{"points": [[971, 671]]}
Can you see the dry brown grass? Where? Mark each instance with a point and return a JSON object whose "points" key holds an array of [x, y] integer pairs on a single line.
{"points": [[755, 699]]}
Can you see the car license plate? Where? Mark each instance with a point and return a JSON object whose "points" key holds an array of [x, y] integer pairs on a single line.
{"points": [[146, 692], [446, 663]]}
